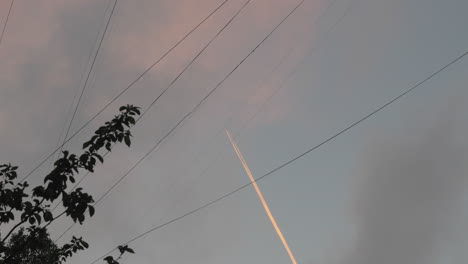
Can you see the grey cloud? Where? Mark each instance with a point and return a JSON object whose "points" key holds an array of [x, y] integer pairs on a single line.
{"points": [[410, 196]]}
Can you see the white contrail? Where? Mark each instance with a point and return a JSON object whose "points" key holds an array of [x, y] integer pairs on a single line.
{"points": [[262, 199]]}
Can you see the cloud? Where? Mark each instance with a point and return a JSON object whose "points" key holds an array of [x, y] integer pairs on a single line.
{"points": [[409, 196]]}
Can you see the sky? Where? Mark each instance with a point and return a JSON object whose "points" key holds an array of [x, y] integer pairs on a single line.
{"points": [[390, 190]]}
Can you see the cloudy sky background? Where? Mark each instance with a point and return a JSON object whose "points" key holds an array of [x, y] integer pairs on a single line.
{"points": [[391, 190]]}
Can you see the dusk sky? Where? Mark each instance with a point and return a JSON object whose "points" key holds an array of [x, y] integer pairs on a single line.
{"points": [[391, 190]]}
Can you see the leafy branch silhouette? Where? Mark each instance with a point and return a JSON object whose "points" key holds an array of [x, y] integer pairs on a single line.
{"points": [[28, 211]]}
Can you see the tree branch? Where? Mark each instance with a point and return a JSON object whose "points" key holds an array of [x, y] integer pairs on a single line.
{"points": [[11, 231]]}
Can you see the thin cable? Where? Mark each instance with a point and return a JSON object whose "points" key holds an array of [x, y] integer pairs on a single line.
{"points": [[66, 231], [295, 158], [205, 169], [196, 107], [124, 90], [57, 145], [280, 87], [194, 58], [193, 109], [88, 75], [76, 94], [6, 21], [261, 84], [283, 83], [160, 95]]}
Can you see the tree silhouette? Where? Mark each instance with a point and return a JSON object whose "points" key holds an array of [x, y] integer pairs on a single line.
{"points": [[27, 212], [41, 249]]}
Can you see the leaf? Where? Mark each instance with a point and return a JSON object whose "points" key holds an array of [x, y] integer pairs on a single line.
{"points": [[91, 210], [99, 157], [127, 140], [81, 218], [131, 120], [130, 250], [119, 127], [121, 249], [84, 158], [109, 259], [86, 144], [86, 245], [38, 218], [48, 216]]}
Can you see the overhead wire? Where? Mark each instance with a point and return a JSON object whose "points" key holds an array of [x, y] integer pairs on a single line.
{"points": [[160, 95], [6, 21], [274, 69], [194, 109], [89, 74], [125, 90], [205, 169], [283, 83], [195, 58], [147, 109], [69, 112], [296, 157], [280, 87]]}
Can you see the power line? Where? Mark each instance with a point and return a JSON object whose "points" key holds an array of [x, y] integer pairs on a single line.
{"points": [[205, 169], [295, 158], [194, 58], [160, 95], [58, 146], [124, 90], [88, 75], [69, 112], [262, 82], [281, 86], [195, 108], [6, 21]]}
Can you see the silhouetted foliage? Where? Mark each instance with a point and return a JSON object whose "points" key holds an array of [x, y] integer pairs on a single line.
{"points": [[30, 212], [41, 249], [122, 250]]}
